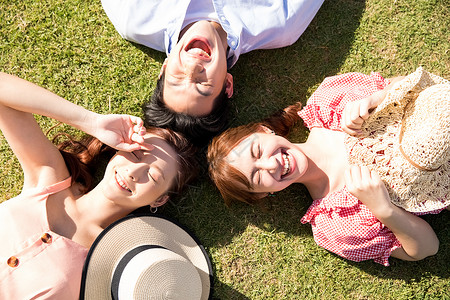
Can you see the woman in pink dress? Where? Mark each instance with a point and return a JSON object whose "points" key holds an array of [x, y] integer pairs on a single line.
{"points": [[46, 231], [353, 213]]}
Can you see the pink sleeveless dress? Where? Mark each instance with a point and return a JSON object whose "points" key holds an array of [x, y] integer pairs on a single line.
{"points": [[34, 261]]}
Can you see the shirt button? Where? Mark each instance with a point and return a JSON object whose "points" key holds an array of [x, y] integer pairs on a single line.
{"points": [[46, 238], [233, 43], [13, 261]]}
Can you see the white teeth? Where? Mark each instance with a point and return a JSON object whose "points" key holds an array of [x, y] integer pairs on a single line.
{"points": [[286, 164], [198, 51], [122, 184]]}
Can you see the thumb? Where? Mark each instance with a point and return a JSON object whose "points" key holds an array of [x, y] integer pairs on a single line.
{"points": [[365, 109]]}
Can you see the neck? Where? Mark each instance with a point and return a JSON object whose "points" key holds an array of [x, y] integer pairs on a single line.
{"points": [[315, 178], [222, 34], [326, 162], [99, 211]]}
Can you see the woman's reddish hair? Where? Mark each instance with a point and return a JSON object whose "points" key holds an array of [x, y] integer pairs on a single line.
{"points": [[232, 184]]}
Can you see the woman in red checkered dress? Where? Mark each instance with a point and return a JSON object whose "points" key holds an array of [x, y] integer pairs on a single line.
{"points": [[352, 214]]}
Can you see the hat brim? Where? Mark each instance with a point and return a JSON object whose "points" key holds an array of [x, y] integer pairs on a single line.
{"points": [[130, 232]]}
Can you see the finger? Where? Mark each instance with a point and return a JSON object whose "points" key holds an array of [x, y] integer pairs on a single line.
{"points": [[355, 124], [364, 109], [375, 177], [139, 129], [135, 137], [139, 140], [365, 174], [355, 113], [346, 120], [355, 172], [350, 131], [348, 179], [128, 147], [352, 118], [136, 120], [349, 126], [146, 146]]}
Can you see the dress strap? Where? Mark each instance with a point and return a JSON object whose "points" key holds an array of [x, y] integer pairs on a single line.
{"points": [[59, 186]]}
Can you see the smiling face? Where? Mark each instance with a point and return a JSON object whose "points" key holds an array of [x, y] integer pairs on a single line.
{"points": [[196, 71], [269, 162], [139, 178]]}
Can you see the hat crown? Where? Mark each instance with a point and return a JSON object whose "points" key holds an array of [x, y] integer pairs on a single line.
{"points": [[163, 259], [425, 128], [156, 273]]}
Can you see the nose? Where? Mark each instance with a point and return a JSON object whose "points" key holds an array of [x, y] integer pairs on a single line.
{"points": [[192, 68], [269, 164], [135, 171]]}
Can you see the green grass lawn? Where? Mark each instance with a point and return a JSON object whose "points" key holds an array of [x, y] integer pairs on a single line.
{"points": [[260, 252]]}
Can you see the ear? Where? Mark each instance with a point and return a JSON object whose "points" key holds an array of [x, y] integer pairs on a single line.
{"points": [[266, 129], [229, 85], [163, 68], [161, 201]]}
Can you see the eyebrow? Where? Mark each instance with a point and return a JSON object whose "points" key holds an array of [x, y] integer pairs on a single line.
{"points": [[160, 171], [252, 175], [156, 167], [175, 84]]}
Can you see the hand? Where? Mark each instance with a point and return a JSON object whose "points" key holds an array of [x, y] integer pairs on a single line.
{"points": [[355, 113], [367, 186], [122, 132]]}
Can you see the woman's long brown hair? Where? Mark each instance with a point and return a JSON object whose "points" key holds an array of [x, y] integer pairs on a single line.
{"points": [[84, 157]]}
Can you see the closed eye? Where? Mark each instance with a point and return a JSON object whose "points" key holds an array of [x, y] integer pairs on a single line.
{"points": [[204, 89], [156, 174], [150, 174]]}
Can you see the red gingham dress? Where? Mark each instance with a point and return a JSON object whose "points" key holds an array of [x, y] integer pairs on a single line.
{"points": [[340, 222]]}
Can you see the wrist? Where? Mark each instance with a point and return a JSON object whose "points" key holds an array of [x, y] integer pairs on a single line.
{"points": [[87, 122], [384, 212]]}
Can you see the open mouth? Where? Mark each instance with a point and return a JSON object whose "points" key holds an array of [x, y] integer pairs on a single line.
{"points": [[122, 183], [199, 47], [286, 164]]}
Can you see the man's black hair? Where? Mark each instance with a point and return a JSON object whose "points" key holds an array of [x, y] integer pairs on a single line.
{"points": [[199, 130]]}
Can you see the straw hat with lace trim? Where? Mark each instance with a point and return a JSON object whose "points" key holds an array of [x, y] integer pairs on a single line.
{"points": [[406, 140]]}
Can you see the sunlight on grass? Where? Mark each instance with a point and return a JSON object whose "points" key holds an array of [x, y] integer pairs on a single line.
{"points": [[260, 252]]}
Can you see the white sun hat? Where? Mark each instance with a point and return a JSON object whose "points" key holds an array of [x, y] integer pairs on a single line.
{"points": [[145, 256]]}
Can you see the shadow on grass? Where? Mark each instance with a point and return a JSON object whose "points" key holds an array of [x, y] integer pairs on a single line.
{"points": [[226, 292]]}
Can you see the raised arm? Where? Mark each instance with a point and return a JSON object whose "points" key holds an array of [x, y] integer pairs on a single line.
{"points": [[19, 98], [123, 132], [416, 236]]}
